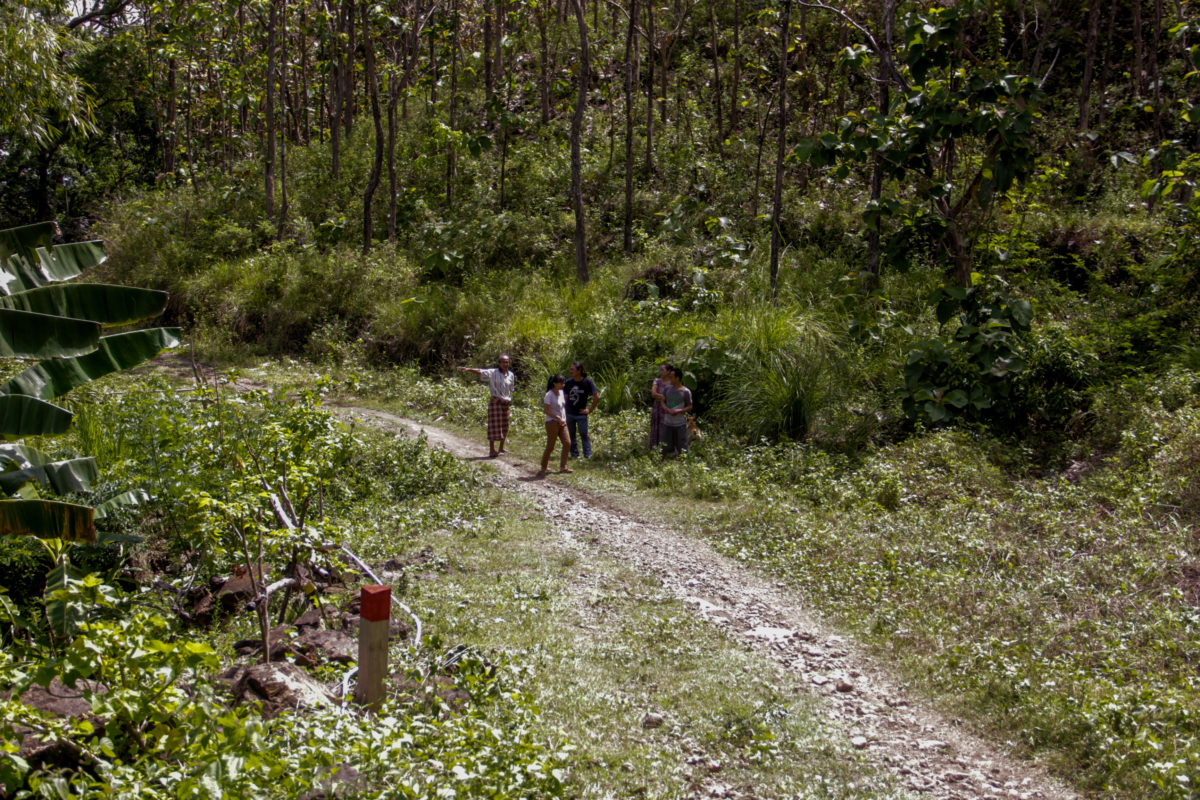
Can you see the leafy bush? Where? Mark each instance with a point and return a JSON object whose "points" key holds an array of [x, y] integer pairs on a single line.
{"points": [[1050, 396], [161, 725], [970, 372], [205, 453]]}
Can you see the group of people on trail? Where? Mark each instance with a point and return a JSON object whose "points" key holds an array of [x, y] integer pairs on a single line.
{"points": [[569, 402]]}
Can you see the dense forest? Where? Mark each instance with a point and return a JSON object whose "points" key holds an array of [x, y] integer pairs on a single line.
{"points": [[930, 270]]}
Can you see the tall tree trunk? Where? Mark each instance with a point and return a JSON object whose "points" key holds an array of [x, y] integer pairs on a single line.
{"points": [[283, 112], [630, 58], [348, 102], [242, 49], [489, 84], [1089, 65], [433, 73], [452, 153], [1139, 47], [503, 159], [1105, 71], [883, 79], [716, 57], [335, 98], [1155, 42], [664, 56], [763, 121], [269, 158], [189, 147], [377, 117], [302, 40], [172, 144], [735, 105], [500, 16], [393, 187], [543, 22], [777, 200], [581, 264], [649, 169]]}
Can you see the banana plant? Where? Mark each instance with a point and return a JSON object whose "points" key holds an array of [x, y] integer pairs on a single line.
{"points": [[60, 325]]}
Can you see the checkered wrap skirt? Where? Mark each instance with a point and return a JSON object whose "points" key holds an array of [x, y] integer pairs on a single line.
{"points": [[497, 419]]}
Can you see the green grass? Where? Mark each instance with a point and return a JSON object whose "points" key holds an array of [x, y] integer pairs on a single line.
{"points": [[605, 645], [1060, 616]]}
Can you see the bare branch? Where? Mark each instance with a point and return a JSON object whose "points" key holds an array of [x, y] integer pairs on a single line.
{"points": [[106, 10]]}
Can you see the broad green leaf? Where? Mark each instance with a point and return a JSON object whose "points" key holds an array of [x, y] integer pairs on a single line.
{"points": [[61, 477], [65, 261], [956, 398], [115, 353], [26, 238], [21, 415], [136, 497], [24, 334], [60, 612], [23, 455], [97, 302], [1022, 312], [47, 519], [29, 260]]}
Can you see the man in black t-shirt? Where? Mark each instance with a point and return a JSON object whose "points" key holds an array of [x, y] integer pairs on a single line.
{"points": [[582, 397]]}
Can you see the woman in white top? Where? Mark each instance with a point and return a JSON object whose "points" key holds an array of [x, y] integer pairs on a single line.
{"points": [[555, 406]]}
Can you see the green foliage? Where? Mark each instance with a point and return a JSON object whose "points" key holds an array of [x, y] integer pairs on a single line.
{"points": [[159, 723], [939, 109], [40, 95], [204, 459], [972, 371]]}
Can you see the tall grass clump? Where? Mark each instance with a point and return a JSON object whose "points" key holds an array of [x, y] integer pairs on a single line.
{"points": [[778, 370]]}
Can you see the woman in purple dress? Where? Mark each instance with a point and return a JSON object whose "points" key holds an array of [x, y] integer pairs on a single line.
{"points": [[656, 411]]}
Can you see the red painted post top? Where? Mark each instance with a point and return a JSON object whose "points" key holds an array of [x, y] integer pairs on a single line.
{"points": [[376, 603]]}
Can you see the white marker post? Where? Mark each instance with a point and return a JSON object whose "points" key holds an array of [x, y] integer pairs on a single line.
{"points": [[376, 610]]}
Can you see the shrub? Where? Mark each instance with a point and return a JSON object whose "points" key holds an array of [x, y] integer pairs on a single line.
{"points": [[767, 373]]}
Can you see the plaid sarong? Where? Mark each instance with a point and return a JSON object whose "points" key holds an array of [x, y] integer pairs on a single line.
{"points": [[497, 419]]}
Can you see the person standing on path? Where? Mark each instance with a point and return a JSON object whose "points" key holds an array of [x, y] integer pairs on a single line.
{"points": [[582, 397], [555, 406], [501, 381], [677, 402], [657, 387]]}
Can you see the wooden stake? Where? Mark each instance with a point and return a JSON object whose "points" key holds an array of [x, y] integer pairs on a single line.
{"points": [[376, 604]]}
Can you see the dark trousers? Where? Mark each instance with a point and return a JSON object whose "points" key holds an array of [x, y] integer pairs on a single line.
{"points": [[577, 426], [674, 439]]}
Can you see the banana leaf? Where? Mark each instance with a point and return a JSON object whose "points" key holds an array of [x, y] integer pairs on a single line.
{"points": [[24, 464], [65, 261], [29, 260], [21, 415], [136, 497], [47, 519], [24, 334], [115, 353], [22, 456], [98, 302], [26, 238]]}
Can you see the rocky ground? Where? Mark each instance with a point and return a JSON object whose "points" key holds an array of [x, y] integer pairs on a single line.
{"points": [[928, 753]]}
